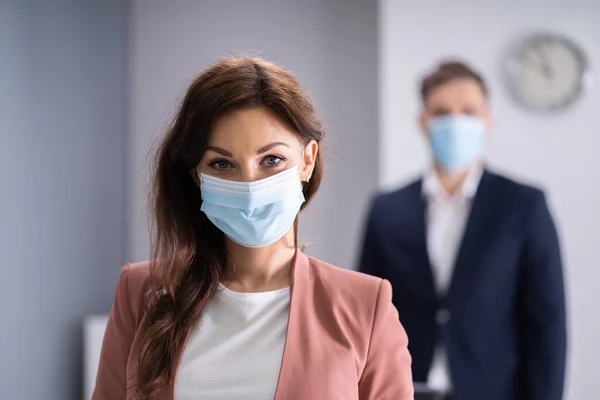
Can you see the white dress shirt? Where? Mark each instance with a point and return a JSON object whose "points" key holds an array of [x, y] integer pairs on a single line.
{"points": [[446, 218], [236, 349]]}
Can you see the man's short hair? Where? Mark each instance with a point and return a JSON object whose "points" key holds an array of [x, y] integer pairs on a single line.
{"points": [[449, 71]]}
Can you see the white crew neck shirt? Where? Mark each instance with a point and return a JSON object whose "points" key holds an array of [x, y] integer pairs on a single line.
{"points": [[446, 219], [236, 349]]}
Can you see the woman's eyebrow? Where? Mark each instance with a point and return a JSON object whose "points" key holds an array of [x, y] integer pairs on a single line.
{"points": [[270, 146], [219, 150]]}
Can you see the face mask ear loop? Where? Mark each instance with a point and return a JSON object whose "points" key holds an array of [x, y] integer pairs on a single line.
{"points": [[305, 179]]}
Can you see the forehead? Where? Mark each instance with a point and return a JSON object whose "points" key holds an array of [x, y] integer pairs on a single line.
{"points": [[250, 128], [456, 91]]}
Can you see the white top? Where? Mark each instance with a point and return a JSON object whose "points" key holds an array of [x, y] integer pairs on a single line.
{"points": [[235, 351], [446, 220]]}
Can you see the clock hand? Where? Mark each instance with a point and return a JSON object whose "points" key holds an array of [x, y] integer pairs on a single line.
{"points": [[545, 64], [535, 60]]}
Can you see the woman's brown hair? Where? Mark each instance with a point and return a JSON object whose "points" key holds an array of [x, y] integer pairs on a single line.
{"points": [[189, 254]]}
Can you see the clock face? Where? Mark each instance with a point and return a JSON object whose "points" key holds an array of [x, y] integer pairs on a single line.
{"points": [[546, 72]]}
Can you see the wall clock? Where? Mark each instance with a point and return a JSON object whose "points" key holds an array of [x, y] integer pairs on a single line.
{"points": [[546, 72]]}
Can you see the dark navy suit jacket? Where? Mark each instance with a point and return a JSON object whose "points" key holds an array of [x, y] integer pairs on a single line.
{"points": [[502, 320]]}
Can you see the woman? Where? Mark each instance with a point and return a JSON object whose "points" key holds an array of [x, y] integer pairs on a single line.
{"points": [[228, 307]]}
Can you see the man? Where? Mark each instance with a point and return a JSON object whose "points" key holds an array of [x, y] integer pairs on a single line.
{"points": [[473, 258]]}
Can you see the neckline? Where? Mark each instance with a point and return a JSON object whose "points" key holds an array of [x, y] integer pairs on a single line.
{"points": [[301, 272], [431, 187], [224, 291]]}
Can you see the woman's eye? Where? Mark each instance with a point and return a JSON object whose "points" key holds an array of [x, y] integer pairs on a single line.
{"points": [[220, 164], [272, 161]]}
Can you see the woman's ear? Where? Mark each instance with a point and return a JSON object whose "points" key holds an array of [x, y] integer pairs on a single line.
{"points": [[309, 160]]}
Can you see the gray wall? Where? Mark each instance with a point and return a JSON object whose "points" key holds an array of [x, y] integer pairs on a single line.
{"points": [[331, 47], [62, 186]]}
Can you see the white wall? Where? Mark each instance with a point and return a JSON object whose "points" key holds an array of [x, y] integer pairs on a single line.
{"points": [[558, 152], [330, 46]]}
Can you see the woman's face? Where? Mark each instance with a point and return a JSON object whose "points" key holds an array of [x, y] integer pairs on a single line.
{"points": [[252, 144]]}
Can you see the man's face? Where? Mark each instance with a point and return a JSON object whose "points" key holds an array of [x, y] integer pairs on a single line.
{"points": [[458, 96]]}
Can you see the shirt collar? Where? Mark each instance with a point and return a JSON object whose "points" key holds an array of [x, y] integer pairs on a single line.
{"points": [[433, 188]]}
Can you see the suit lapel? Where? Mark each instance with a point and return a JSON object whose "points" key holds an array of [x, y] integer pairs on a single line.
{"points": [[483, 211], [415, 228]]}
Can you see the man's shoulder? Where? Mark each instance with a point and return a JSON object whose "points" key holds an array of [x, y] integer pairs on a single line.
{"points": [[510, 190], [392, 198], [413, 187], [514, 188]]}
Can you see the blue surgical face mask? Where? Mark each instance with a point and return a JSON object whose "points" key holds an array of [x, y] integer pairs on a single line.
{"points": [[253, 214], [456, 140]]}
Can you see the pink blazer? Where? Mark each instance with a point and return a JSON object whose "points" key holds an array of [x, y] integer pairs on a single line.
{"points": [[344, 340]]}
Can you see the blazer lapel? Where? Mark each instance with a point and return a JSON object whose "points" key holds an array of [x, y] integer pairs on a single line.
{"points": [[483, 211], [294, 342]]}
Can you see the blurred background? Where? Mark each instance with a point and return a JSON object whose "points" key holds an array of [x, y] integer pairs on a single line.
{"points": [[87, 86]]}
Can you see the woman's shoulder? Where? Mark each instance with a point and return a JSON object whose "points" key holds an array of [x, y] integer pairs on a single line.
{"points": [[133, 285], [135, 276], [347, 287], [343, 277], [137, 272]]}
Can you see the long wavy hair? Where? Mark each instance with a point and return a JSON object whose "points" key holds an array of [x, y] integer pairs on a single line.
{"points": [[189, 255]]}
